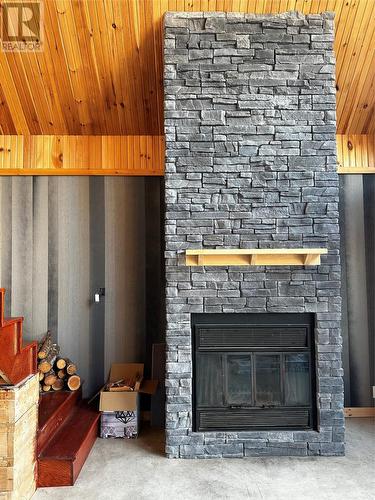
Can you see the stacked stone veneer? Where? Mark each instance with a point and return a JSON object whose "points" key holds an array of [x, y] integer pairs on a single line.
{"points": [[251, 162]]}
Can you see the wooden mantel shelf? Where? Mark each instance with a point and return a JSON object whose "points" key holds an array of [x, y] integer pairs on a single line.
{"points": [[255, 257]]}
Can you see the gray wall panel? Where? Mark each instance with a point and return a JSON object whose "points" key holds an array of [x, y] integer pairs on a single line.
{"points": [[6, 239], [344, 294], [357, 311], [369, 219], [40, 257], [22, 252], [53, 253], [155, 303], [124, 270], [97, 280], [74, 272]]}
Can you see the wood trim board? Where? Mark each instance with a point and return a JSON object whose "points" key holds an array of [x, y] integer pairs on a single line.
{"points": [[132, 155], [355, 154], [81, 155], [359, 412]]}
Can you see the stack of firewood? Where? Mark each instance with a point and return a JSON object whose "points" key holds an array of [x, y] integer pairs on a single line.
{"points": [[55, 372]]}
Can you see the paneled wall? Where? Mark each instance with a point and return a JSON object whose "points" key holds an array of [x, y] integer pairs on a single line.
{"points": [[70, 267], [62, 238], [124, 270], [356, 154], [357, 218], [81, 155]]}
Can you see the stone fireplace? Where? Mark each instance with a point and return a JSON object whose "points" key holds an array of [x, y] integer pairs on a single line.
{"points": [[251, 163]]}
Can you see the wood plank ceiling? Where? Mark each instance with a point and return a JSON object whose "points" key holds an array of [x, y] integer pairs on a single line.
{"points": [[100, 72]]}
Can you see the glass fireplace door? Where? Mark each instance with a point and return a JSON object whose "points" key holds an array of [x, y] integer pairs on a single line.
{"points": [[254, 377], [238, 378], [259, 380]]}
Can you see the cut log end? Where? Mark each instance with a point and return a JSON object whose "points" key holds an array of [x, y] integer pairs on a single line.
{"points": [[50, 378], [60, 363], [71, 368], [45, 366], [46, 388], [74, 382], [58, 385]]}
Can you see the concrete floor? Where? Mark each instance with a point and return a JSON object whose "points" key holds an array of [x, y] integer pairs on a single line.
{"points": [[136, 469]]}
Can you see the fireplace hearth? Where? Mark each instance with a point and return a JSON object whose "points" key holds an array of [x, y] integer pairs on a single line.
{"points": [[253, 372]]}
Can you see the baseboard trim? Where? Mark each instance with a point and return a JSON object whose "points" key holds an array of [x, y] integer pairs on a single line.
{"points": [[359, 412]]}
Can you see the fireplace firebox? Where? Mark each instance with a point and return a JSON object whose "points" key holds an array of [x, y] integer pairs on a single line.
{"points": [[253, 372]]}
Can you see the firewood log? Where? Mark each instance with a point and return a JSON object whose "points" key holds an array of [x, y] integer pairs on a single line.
{"points": [[50, 378], [74, 382], [60, 363], [58, 385], [47, 363], [61, 374], [41, 376], [71, 368], [46, 388], [45, 346]]}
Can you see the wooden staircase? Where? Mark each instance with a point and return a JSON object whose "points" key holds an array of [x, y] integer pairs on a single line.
{"points": [[17, 359], [68, 428]]}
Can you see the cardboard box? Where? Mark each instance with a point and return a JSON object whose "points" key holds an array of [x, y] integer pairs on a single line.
{"points": [[121, 412]]}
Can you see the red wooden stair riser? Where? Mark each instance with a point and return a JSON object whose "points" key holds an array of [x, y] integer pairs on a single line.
{"points": [[17, 361]]}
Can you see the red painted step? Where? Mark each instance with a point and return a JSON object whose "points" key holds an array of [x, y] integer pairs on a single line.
{"points": [[62, 458], [54, 409], [24, 364], [17, 362], [10, 340]]}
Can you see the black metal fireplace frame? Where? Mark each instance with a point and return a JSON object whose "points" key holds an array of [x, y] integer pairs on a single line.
{"points": [[257, 320]]}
